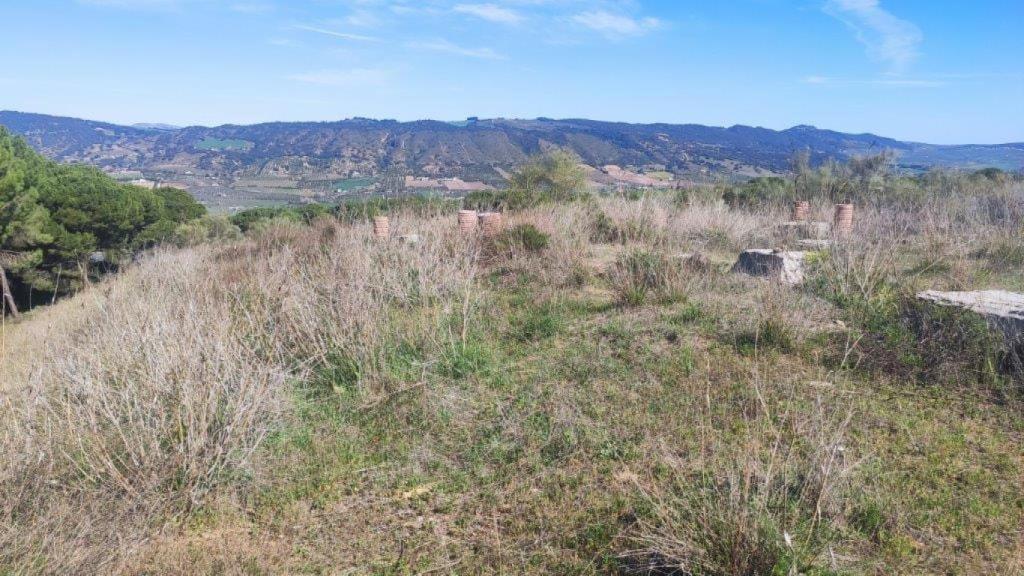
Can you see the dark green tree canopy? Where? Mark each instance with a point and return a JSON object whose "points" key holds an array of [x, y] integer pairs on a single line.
{"points": [[52, 216]]}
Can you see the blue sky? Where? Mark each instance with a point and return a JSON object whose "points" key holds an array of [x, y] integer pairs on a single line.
{"points": [[927, 70]]}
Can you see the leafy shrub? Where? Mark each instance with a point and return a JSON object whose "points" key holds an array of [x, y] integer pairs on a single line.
{"points": [[555, 176], [252, 218], [520, 239], [991, 174], [484, 200], [758, 191], [681, 198], [604, 230], [206, 229]]}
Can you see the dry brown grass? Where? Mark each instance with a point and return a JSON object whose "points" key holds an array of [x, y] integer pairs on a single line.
{"points": [[308, 399], [129, 404]]}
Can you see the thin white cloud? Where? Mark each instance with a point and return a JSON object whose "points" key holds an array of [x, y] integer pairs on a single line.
{"points": [[490, 12], [908, 82], [335, 34], [451, 48], [353, 78], [363, 19], [887, 38], [616, 25]]}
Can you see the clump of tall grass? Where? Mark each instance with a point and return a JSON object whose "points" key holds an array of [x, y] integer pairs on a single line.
{"points": [[771, 505], [640, 276]]}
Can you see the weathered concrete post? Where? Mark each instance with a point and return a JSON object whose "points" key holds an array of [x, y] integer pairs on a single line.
{"points": [[381, 227], [842, 223], [467, 221]]}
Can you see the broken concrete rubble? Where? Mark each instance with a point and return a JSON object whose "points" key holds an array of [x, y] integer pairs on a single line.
{"points": [[785, 266], [817, 230], [814, 244], [1002, 310]]}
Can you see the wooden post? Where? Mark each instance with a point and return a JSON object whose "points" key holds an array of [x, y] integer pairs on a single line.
{"points": [[8, 297]]}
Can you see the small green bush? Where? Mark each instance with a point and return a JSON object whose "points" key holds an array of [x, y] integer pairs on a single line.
{"points": [[640, 275], [523, 238], [484, 200], [758, 191], [206, 229], [604, 230], [461, 360], [536, 323], [339, 374]]}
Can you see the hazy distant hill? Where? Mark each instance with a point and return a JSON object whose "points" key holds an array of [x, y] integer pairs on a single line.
{"points": [[473, 148]]}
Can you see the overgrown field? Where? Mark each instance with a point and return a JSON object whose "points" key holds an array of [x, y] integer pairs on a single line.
{"points": [[573, 397]]}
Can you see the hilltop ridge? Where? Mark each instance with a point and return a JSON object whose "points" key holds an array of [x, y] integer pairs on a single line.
{"points": [[474, 147]]}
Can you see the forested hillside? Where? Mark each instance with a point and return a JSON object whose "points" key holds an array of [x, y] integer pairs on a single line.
{"points": [[57, 220], [471, 149]]}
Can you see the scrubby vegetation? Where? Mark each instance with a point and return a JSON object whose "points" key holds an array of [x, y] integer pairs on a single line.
{"points": [[574, 396]]}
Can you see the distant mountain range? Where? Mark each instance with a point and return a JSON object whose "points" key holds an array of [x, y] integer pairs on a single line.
{"points": [[476, 149]]}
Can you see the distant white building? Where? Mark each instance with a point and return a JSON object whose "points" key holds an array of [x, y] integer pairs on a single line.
{"points": [[143, 183]]}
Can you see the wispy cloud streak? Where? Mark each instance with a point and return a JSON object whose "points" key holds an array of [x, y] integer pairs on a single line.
{"points": [[335, 34], [887, 81], [490, 12], [616, 25], [887, 38], [452, 48]]}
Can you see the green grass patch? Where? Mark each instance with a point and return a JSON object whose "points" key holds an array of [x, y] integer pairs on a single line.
{"points": [[225, 145]]}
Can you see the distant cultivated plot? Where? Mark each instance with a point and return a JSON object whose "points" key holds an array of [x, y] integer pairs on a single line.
{"points": [[218, 145], [351, 184]]}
